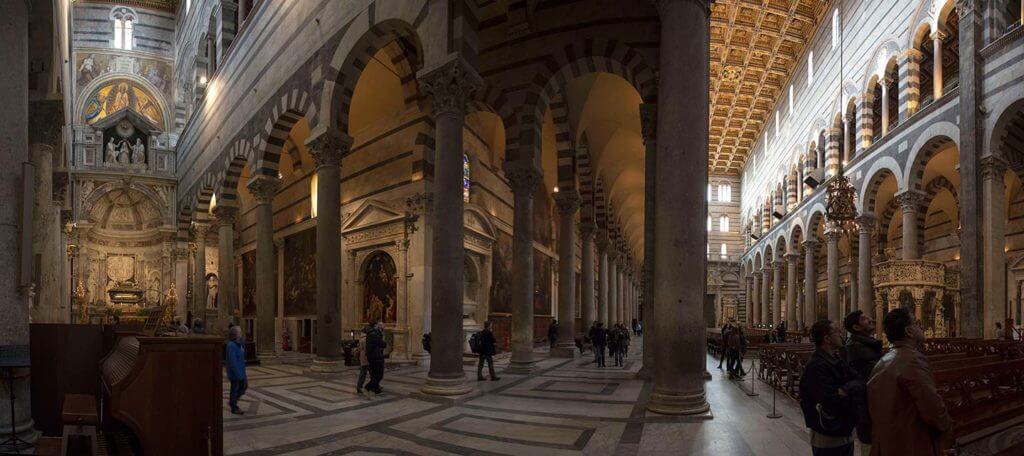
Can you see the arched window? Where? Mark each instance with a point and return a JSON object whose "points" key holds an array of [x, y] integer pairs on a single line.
{"points": [[725, 251], [723, 224], [124, 30], [709, 192], [725, 193], [709, 223], [465, 178]]}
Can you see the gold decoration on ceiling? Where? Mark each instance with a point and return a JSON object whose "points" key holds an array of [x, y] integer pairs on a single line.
{"points": [[165, 5], [755, 46]]}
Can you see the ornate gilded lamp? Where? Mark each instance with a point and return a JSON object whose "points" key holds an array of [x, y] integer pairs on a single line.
{"points": [[841, 202]]}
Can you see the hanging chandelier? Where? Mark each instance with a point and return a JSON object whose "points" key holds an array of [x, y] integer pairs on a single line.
{"points": [[841, 196]]}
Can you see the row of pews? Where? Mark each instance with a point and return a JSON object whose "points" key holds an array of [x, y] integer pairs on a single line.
{"points": [[981, 380]]}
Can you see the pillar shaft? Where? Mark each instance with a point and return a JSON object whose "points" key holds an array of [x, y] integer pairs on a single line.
{"points": [[766, 297], [649, 131], [910, 83], [937, 38], [613, 289], [227, 283], [448, 86], [791, 262], [603, 275], [587, 275], [911, 201], [755, 303], [327, 148], [993, 170], [777, 292], [810, 282], [524, 178], [568, 201], [264, 188], [749, 292], [680, 275], [885, 106], [199, 289], [832, 237]]}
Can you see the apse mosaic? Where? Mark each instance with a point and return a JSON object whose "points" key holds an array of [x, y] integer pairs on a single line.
{"points": [[118, 95]]}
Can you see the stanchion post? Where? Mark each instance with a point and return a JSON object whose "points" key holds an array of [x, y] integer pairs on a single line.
{"points": [[774, 413], [753, 373]]}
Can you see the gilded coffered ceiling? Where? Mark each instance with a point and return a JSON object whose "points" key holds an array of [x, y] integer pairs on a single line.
{"points": [[755, 46]]}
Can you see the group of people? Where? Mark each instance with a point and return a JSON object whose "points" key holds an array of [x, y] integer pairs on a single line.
{"points": [[890, 400], [615, 339], [371, 359], [734, 346]]}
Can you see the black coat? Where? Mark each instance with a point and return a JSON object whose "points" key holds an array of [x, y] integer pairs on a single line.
{"points": [[820, 383], [375, 346], [862, 353], [488, 344], [598, 336]]}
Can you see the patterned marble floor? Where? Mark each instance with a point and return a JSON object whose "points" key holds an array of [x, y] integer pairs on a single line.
{"points": [[567, 407]]}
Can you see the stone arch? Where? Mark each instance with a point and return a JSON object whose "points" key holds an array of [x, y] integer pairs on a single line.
{"points": [[100, 192], [941, 183], [880, 169], [1010, 122], [241, 154], [184, 221], [796, 237], [758, 263], [354, 53], [274, 137], [930, 141], [569, 62], [203, 196], [881, 59], [166, 109]]}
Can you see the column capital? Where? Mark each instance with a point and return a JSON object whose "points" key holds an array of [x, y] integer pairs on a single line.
{"points": [[662, 4], [912, 55], [450, 84], [523, 177], [649, 122], [602, 241], [811, 245], [792, 257], [911, 199], [199, 230], [866, 222], [225, 215], [832, 233], [938, 35], [966, 7], [779, 264], [263, 188], [587, 230], [993, 167], [328, 146], [568, 201]]}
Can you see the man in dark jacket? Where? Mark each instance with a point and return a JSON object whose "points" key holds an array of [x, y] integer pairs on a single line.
{"points": [[826, 391], [488, 347], [599, 337], [780, 332], [375, 357], [734, 343], [862, 352], [553, 333], [236, 368], [725, 338]]}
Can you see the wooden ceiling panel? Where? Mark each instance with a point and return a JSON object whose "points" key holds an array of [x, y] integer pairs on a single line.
{"points": [[755, 46]]}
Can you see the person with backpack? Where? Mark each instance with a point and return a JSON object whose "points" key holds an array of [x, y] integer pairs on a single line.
{"points": [[484, 344], [599, 337], [828, 392], [364, 364], [375, 357]]}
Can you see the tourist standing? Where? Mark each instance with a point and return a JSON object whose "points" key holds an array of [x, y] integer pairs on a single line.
{"points": [[827, 389], [780, 331], [236, 368], [862, 352], [364, 364], [553, 333], [734, 343], [599, 337], [724, 335], [375, 357], [907, 414], [488, 347], [999, 330]]}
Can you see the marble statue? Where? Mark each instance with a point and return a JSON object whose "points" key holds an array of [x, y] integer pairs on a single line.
{"points": [[211, 291], [138, 152], [111, 155], [124, 156]]}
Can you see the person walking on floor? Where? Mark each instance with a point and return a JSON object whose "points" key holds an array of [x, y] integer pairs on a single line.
{"points": [[236, 368], [908, 415], [375, 357], [599, 338], [553, 334], [488, 346], [828, 387], [615, 344], [625, 340], [733, 346], [862, 352], [724, 334], [364, 364]]}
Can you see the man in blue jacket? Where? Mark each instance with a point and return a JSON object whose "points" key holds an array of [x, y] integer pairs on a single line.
{"points": [[236, 368]]}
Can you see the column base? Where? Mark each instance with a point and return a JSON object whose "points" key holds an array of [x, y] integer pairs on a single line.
{"points": [[707, 375], [446, 386], [679, 404], [268, 357], [644, 373], [327, 366], [520, 367], [420, 358], [564, 351]]}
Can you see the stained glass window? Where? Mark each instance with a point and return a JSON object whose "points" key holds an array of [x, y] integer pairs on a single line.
{"points": [[465, 178]]}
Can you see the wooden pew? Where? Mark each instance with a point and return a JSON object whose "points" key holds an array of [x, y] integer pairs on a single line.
{"points": [[980, 397]]}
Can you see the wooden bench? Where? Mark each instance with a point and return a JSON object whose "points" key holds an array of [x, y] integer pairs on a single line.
{"points": [[982, 396], [80, 418]]}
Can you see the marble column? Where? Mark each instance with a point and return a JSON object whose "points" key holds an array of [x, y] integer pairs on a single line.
{"points": [[810, 281], [589, 312], [911, 201], [937, 37], [756, 300], [649, 132], [524, 179], [866, 290], [47, 246], [448, 85], [613, 287], [777, 291], [603, 287], [327, 148], [263, 189], [766, 294], [832, 236], [568, 201], [993, 171], [749, 284], [227, 290], [15, 276], [680, 274], [199, 289], [791, 267]]}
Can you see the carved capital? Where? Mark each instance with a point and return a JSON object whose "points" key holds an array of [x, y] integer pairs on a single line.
{"points": [[792, 257], [939, 35], [602, 241], [649, 122], [199, 231], [328, 146], [993, 167], [811, 245], [911, 199], [449, 85], [779, 264], [833, 234], [965, 7], [568, 201], [225, 214], [912, 55], [524, 178], [866, 222], [264, 188], [587, 230]]}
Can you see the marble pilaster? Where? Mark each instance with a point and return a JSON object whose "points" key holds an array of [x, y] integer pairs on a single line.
{"points": [[602, 277], [524, 179], [810, 281], [589, 312], [777, 291], [792, 259], [993, 171], [227, 289], [832, 237]]}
